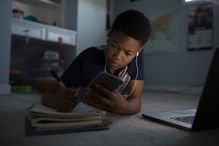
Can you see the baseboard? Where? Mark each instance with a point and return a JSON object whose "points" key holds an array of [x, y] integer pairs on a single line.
{"points": [[5, 88], [197, 89]]}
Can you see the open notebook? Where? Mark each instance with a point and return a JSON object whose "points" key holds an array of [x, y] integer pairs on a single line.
{"points": [[43, 120]]}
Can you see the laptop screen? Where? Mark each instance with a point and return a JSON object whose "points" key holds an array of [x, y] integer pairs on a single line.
{"points": [[208, 106]]}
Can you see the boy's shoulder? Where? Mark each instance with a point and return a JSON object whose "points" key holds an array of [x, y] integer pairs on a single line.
{"points": [[92, 53], [93, 50]]}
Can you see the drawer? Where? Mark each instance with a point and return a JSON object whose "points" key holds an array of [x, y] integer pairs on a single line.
{"points": [[67, 37], [29, 31]]}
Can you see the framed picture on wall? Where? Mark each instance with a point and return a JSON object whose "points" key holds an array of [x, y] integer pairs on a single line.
{"points": [[200, 26]]}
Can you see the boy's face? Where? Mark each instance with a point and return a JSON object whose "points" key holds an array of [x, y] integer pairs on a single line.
{"points": [[120, 50]]}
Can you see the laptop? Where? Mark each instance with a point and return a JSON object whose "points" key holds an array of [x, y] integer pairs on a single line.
{"points": [[206, 115]]}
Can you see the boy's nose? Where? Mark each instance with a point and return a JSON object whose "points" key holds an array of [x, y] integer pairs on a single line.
{"points": [[118, 55]]}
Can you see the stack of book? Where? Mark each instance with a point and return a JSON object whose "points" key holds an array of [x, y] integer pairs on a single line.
{"points": [[43, 120]]}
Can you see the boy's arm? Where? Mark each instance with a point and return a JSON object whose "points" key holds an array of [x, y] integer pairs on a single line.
{"points": [[134, 100]]}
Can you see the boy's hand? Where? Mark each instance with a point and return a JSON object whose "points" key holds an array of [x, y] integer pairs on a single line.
{"points": [[66, 100], [60, 98], [105, 99]]}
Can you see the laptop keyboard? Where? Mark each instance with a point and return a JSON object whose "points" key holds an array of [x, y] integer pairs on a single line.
{"points": [[185, 119]]}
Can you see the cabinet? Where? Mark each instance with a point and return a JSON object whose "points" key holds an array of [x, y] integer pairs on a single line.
{"points": [[37, 48], [43, 32], [44, 11]]}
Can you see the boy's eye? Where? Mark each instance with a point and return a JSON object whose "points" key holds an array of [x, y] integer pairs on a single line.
{"points": [[129, 53], [113, 45]]}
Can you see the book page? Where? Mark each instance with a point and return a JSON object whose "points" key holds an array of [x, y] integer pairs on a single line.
{"points": [[80, 109]]}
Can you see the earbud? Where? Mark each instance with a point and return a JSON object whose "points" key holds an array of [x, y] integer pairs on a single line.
{"points": [[138, 52]]}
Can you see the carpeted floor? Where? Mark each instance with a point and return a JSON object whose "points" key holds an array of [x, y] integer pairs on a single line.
{"points": [[125, 130]]}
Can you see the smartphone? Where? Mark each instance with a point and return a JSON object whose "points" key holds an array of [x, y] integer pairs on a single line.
{"points": [[107, 80]]}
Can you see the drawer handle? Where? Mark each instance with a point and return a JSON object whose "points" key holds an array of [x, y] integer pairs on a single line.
{"points": [[26, 30]]}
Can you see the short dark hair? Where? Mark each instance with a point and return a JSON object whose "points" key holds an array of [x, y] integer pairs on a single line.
{"points": [[133, 23]]}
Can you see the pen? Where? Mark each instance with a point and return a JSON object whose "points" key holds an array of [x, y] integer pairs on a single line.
{"points": [[54, 74]]}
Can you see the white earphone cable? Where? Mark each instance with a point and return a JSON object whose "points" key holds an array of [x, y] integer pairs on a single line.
{"points": [[136, 63]]}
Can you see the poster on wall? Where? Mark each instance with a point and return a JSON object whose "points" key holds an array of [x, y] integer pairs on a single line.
{"points": [[200, 27], [164, 38]]}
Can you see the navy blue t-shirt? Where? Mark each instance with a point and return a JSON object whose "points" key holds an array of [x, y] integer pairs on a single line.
{"points": [[90, 62]]}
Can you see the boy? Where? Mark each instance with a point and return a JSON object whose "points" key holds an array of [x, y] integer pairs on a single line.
{"points": [[122, 56]]}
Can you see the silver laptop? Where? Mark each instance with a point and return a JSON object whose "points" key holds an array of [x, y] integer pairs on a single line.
{"points": [[206, 114]]}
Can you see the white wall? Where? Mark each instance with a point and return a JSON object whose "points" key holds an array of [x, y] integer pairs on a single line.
{"points": [[88, 18], [5, 38], [91, 24], [182, 68]]}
